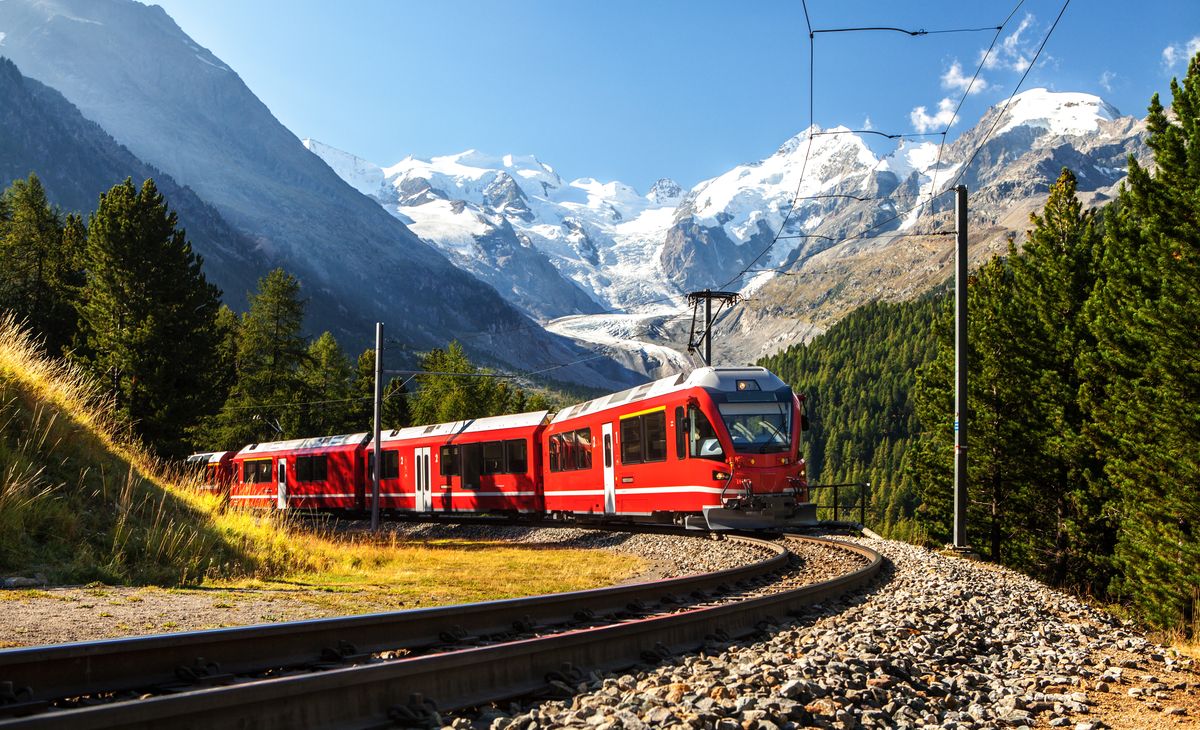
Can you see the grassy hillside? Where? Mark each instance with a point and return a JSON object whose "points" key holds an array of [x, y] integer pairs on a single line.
{"points": [[81, 502]]}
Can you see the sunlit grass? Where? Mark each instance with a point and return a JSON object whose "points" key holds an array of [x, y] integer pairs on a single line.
{"points": [[362, 576], [82, 501]]}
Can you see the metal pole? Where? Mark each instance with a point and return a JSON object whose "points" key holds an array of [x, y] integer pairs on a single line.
{"points": [[862, 504], [960, 369], [375, 450], [707, 329]]}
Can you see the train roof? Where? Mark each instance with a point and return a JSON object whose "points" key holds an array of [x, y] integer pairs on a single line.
{"points": [[318, 442], [207, 457], [724, 379], [492, 423]]}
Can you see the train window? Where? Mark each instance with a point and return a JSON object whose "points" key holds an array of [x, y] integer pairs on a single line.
{"points": [[702, 437], [514, 451], [256, 472], [449, 461], [391, 465], [493, 458], [555, 452], [654, 425], [312, 468], [680, 434], [583, 448], [607, 451], [631, 441]]}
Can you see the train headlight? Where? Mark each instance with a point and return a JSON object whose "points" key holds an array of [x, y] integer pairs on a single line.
{"points": [[720, 476]]}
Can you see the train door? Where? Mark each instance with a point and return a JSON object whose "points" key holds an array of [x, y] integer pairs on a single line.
{"points": [[424, 499], [281, 495], [610, 476]]}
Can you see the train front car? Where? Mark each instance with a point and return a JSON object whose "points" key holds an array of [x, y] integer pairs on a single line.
{"points": [[757, 423]]}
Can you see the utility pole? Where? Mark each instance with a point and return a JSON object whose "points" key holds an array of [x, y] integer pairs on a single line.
{"points": [[960, 369], [707, 296], [376, 467]]}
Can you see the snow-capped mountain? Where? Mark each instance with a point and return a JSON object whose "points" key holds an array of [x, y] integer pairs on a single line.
{"points": [[515, 222], [554, 247]]}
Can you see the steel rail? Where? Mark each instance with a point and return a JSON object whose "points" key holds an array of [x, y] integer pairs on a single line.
{"points": [[363, 696], [87, 668]]}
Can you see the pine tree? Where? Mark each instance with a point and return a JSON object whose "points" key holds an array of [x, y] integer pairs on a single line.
{"points": [[270, 351], [1055, 273], [442, 398], [148, 315], [1143, 393], [39, 263], [328, 388]]}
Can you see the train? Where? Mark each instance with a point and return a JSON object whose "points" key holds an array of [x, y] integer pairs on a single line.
{"points": [[716, 448]]}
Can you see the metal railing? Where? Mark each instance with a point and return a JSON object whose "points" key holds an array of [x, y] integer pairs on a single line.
{"points": [[864, 493]]}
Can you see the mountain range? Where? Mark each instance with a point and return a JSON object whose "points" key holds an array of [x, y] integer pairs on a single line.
{"points": [[860, 225], [177, 108], [528, 268]]}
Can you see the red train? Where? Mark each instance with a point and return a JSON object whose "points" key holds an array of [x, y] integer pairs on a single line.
{"points": [[717, 448]]}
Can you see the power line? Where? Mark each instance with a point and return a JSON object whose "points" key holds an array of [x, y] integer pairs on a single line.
{"points": [[905, 31], [833, 132], [978, 69], [1016, 88], [812, 55]]}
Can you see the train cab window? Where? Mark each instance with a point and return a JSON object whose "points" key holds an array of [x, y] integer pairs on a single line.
{"points": [[313, 468], [448, 461], [583, 448], [515, 453], [493, 458], [256, 472], [702, 437]]}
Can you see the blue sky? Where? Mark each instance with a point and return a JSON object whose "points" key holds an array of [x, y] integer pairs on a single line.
{"points": [[636, 90]]}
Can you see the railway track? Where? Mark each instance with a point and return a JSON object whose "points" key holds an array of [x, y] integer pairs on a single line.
{"points": [[376, 670]]}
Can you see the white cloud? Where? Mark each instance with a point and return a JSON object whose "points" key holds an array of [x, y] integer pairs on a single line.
{"points": [[1178, 53], [2, 39], [924, 122], [954, 79], [1014, 52], [1106, 80], [867, 124]]}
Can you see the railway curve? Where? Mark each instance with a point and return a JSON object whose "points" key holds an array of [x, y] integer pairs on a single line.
{"points": [[356, 671]]}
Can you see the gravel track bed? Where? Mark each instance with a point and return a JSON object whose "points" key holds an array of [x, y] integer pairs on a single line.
{"points": [[669, 556], [937, 641]]}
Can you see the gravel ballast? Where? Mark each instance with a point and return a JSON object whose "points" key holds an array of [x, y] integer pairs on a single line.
{"points": [[938, 641]]}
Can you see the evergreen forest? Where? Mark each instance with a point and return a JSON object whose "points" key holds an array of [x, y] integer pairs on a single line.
{"points": [[1084, 399]]}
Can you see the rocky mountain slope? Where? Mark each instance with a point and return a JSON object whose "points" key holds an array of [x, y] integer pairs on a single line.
{"points": [[178, 107], [76, 160]]}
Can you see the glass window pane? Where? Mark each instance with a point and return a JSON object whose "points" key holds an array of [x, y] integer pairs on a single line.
{"points": [[517, 461], [702, 437], [493, 457], [448, 461], [583, 445], [655, 425], [631, 441]]}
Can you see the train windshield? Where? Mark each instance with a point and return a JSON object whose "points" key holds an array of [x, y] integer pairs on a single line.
{"points": [[758, 428]]}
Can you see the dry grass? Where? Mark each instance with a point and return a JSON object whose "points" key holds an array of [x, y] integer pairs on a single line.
{"points": [[80, 501]]}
